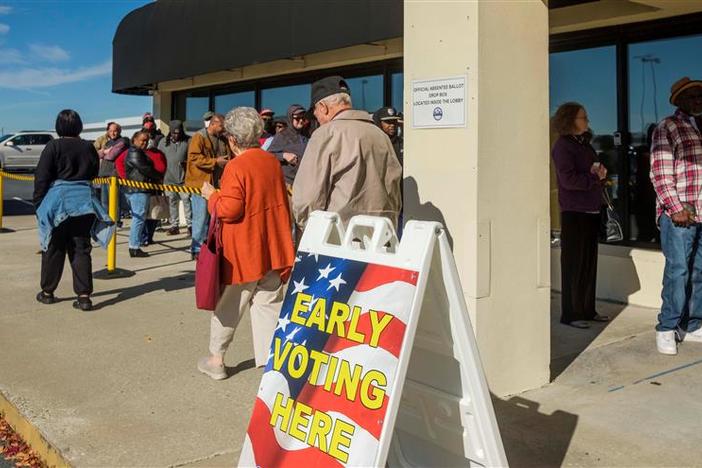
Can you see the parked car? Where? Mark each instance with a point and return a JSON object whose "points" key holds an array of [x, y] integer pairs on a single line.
{"points": [[21, 151]]}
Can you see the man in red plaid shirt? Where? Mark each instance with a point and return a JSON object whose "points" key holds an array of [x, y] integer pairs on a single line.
{"points": [[676, 173]]}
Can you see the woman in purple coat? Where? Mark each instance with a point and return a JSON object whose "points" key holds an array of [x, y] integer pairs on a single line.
{"points": [[580, 180]]}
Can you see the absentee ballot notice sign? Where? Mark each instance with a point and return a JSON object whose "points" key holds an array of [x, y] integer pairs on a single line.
{"points": [[439, 103], [333, 361]]}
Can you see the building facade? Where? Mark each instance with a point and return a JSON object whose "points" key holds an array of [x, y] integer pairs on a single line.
{"points": [[488, 182]]}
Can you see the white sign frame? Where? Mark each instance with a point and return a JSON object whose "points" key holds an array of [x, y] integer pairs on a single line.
{"points": [[432, 102], [473, 438]]}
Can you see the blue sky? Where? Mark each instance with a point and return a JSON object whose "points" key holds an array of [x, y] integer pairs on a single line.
{"points": [[58, 54]]}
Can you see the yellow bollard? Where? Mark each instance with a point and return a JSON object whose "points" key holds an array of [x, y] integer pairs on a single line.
{"points": [[2, 198], [112, 246]]}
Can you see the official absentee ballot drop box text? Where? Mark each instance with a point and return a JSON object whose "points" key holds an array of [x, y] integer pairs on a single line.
{"points": [[373, 360]]}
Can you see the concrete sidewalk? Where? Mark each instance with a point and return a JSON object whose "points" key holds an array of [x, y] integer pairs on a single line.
{"points": [[119, 386]]}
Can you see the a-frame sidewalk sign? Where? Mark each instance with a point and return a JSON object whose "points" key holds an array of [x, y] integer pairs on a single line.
{"points": [[374, 360]]}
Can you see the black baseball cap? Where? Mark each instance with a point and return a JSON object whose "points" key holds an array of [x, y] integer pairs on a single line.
{"points": [[328, 86], [386, 114]]}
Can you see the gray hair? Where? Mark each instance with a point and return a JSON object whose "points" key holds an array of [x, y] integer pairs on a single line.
{"points": [[245, 125], [337, 99]]}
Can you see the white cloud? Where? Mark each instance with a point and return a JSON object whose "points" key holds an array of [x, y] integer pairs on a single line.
{"points": [[4, 29], [5, 9], [52, 53], [44, 77], [11, 57]]}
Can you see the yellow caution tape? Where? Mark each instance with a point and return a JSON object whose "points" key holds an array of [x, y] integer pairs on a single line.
{"points": [[10, 176], [165, 188], [126, 183]]}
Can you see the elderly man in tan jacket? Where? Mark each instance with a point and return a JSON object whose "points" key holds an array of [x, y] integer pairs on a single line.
{"points": [[349, 165], [207, 151]]}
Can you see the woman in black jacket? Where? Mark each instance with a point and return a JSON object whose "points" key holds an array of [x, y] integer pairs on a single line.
{"points": [[140, 168], [62, 186]]}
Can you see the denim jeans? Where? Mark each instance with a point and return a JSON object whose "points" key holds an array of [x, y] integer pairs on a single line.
{"points": [[201, 221], [682, 276], [139, 202]]}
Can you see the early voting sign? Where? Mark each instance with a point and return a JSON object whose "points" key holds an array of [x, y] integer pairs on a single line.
{"points": [[333, 383]]}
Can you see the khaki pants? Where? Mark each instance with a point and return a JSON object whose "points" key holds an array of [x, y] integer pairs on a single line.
{"points": [[264, 298]]}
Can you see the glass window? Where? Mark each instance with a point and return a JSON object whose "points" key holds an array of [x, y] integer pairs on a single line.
{"points": [[397, 87], [279, 99], [21, 140], [367, 92], [653, 67], [589, 76], [226, 102], [195, 106], [39, 139]]}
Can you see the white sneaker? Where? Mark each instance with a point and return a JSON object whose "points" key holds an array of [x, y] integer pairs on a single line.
{"points": [[665, 342], [695, 336]]}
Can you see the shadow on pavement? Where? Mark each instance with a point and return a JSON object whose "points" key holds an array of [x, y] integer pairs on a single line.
{"points": [[532, 438], [241, 367], [174, 283], [17, 208], [567, 343]]}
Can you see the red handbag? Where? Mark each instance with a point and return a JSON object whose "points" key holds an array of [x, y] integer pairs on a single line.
{"points": [[207, 268]]}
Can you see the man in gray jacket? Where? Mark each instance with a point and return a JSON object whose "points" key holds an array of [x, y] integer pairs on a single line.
{"points": [[349, 165], [175, 148]]}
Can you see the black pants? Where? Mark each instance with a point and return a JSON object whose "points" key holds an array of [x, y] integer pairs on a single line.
{"points": [[579, 233], [71, 237]]}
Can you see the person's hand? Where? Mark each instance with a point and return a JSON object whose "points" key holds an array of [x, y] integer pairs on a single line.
{"points": [[602, 172], [207, 190], [682, 218], [222, 161], [291, 158]]}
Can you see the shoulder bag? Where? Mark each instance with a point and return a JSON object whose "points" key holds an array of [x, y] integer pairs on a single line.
{"points": [[207, 268]]}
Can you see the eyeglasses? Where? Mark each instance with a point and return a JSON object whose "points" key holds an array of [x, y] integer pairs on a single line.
{"points": [[298, 117]]}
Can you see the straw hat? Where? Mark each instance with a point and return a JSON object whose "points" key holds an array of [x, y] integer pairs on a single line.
{"points": [[681, 85]]}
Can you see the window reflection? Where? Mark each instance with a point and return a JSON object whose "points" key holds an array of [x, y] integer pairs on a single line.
{"points": [[589, 76], [653, 67], [195, 106], [397, 87], [226, 102], [367, 92], [280, 98]]}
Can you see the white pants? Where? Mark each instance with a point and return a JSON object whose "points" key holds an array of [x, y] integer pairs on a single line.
{"points": [[264, 298]]}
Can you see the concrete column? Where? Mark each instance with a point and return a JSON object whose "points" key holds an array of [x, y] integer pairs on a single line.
{"points": [[162, 109], [489, 182]]}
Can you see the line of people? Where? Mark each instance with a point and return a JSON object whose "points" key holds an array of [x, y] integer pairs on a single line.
{"points": [[348, 164]]}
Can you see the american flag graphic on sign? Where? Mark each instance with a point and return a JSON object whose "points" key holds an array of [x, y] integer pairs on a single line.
{"points": [[332, 364]]}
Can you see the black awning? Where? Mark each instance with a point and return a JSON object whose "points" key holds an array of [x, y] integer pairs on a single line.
{"points": [[173, 39]]}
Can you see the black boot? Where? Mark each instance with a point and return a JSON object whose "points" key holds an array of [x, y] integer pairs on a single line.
{"points": [[137, 253]]}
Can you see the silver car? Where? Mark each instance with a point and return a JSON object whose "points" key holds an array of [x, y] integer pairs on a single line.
{"points": [[21, 151]]}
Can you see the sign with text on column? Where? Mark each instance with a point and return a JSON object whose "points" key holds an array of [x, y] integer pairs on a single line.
{"points": [[439, 103], [333, 363]]}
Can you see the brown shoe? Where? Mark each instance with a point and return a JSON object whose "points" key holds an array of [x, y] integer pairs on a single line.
{"points": [[174, 231]]}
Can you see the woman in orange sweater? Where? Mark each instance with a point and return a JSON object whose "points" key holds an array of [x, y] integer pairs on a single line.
{"points": [[256, 236]]}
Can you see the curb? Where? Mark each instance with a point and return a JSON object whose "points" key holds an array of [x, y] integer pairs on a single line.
{"points": [[31, 435]]}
